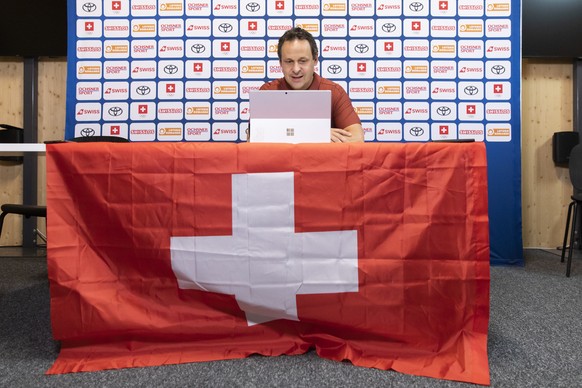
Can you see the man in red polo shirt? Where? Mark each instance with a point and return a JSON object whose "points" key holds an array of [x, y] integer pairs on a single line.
{"points": [[297, 53]]}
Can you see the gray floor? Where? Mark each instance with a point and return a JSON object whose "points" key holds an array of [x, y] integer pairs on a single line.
{"points": [[535, 338]]}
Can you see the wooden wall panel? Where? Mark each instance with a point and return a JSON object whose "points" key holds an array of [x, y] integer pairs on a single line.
{"points": [[546, 108], [11, 107], [52, 93]]}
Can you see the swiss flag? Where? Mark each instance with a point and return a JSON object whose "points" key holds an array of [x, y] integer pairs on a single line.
{"points": [[171, 253]]}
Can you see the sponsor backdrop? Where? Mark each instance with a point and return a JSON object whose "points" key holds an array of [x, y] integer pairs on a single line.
{"points": [[416, 70]]}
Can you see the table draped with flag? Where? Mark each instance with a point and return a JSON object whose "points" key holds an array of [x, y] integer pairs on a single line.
{"points": [[166, 253]]}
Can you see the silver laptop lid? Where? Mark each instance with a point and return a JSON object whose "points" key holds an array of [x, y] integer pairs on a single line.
{"points": [[290, 116], [297, 104]]}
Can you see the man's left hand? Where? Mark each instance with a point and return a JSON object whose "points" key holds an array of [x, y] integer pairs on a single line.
{"points": [[352, 134]]}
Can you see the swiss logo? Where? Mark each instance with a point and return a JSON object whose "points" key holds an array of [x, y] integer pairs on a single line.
{"points": [[361, 67], [416, 25], [280, 5], [444, 5], [116, 5], [198, 67]]}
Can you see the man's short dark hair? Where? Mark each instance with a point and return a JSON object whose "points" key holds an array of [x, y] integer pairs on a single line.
{"points": [[298, 33]]}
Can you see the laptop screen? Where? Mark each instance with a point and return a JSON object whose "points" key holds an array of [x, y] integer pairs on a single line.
{"points": [[290, 116]]}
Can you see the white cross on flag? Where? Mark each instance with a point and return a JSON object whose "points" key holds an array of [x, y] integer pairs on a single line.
{"points": [[164, 253], [265, 264]]}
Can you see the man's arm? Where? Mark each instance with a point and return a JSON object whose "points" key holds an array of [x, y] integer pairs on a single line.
{"points": [[350, 134]]}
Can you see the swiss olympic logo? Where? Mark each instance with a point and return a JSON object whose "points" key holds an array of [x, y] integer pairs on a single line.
{"points": [[388, 27], [416, 131], [170, 69], [115, 111], [334, 69], [198, 48], [416, 6], [225, 27], [87, 132], [143, 90], [89, 7], [253, 7], [361, 48]]}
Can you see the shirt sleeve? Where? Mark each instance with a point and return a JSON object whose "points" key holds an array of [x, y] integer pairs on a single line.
{"points": [[343, 113]]}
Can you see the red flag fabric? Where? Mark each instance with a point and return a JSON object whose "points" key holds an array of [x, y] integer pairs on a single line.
{"points": [[171, 253]]}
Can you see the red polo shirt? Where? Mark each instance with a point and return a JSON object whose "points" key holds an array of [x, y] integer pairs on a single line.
{"points": [[342, 111]]}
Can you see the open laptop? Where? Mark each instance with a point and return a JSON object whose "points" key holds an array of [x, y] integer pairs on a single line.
{"points": [[290, 116]]}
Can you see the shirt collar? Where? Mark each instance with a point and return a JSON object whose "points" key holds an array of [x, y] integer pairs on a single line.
{"points": [[314, 84]]}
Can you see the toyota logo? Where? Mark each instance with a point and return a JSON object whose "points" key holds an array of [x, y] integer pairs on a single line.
{"points": [[225, 27], [143, 90], [253, 7], [471, 90], [498, 69], [388, 27], [443, 110], [416, 6], [170, 69], [416, 131], [361, 48], [198, 48], [115, 111], [89, 7], [87, 132], [334, 69]]}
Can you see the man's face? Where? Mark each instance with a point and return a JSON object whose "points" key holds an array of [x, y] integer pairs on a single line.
{"points": [[298, 64]]}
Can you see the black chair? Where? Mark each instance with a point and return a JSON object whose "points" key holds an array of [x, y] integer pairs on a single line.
{"points": [[23, 210], [575, 168], [15, 136], [11, 134]]}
